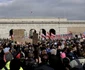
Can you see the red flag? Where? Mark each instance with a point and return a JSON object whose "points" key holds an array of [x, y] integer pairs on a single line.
{"points": [[58, 36], [83, 35], [42, 35], [65, 36], [52, 36], [47, 35]]}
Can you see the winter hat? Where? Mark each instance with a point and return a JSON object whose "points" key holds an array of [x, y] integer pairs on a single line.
{"points": [[62, 55], [53, 51], [18, 56], [6, 49]]}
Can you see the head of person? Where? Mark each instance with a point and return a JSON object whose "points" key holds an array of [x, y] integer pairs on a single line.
{"points": [[43, 51], [53, 51], [30, 55], [44, 58], [62, 55], [66, 61], [15, 64]]}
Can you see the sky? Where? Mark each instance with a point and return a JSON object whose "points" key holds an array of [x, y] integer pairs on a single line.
{"points": [[70, 9]]}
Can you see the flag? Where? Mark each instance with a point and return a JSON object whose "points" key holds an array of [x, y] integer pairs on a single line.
{"points": [[53, 36], [65, 36], [70, 35], [58, 36], [47, 35], [43, 36], [83, 35]]}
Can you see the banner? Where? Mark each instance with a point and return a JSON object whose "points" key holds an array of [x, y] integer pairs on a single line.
{"points": [[58, 36]]}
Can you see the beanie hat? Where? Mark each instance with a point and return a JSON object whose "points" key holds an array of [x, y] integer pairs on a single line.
{"points": [[18, 56], [62, 55]]}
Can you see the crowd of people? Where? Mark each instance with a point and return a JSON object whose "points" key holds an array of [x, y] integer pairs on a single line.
{"points": [[56, 54]]}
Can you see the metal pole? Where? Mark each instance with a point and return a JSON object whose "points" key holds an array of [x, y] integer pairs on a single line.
{"points": [[59, 26]]}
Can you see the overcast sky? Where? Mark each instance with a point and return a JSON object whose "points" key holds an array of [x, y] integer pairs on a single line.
{"points": [[70, 9]]}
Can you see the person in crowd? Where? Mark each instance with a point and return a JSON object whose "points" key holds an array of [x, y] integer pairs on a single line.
{"points": [[66, 62], [44, 64], [55, 61], [71, 54], [30, 62], [12, 65], [45, 55], [7, 53]]}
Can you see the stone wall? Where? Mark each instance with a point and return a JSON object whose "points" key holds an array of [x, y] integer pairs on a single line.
{"points": [[59, 27]]}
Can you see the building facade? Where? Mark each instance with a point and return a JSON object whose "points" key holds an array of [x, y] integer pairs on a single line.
{"points": [[55, 26]]}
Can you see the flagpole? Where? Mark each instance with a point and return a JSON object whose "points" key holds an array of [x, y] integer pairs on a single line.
{"points": [[59, 25]]}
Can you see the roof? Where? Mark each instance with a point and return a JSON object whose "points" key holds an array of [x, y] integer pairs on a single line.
{"points": [[33, 20], [38, 20]]}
